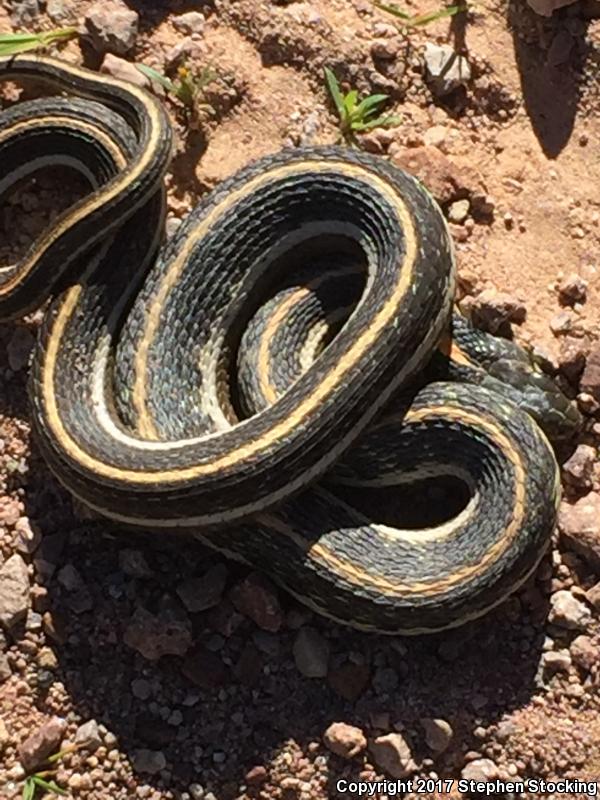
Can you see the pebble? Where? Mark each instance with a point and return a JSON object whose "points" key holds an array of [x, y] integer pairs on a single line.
{"points": [[256, 776], [590, 378], [198, 594], [28, 537], [61, 11], [204, 668], [443, 178], [585, 652], [446, 69], [155, 635], [124, 70], [88, 734], [24, 12], [572, 357], [190, 22], [19, 348], [572, 289], [481, 769], [579, 523], [561, 323], [578, 470], [593, 596], [459, 211], [69, 578], [256, 598], [311, 653], [112, 27], [557, 660], [568, 612], [393, 755], [491, 310], [438, 734], [141, 688], [5, 670], [41, 743], [4, 735], [149, 762], [14, 591], [344, 740]]}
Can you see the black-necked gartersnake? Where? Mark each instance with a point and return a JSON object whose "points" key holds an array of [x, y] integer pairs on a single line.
{"points": [[208, 389]]}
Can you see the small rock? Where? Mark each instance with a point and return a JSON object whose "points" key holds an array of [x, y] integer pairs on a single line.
{"points": [[88, 735], [19, 349], [459, 211], [578, 470], [133, 563], [568, 612], [14, 591], [124, 70], [438, 734], [386, 49], [4, 735], [198, 594], [546, 7], [5, 670], [572, 289], [446, 69], [482, 769], [393, 755], [41, 743], [248, 668], [572, 357], [48, 554], [590, 379], [24, 12], [204, 668], [557, 660], [344, 740], [256, 776], [349, 680], [46, 658], [491, 310], [112, 27], [61, 11], [157, 635], [191, 22], [69, 578], [561, 323], [593, 596], [28, 536], [442, 177], [436, 136], [585, 652], [256, 598], [148, 762], [141, 688], [311, 653], [579, 524]]}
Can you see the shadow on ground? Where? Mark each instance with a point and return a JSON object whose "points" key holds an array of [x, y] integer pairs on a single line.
{"points": [[551, 56]]}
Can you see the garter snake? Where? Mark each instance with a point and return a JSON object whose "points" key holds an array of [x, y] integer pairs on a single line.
{"points": [[136, 406]]}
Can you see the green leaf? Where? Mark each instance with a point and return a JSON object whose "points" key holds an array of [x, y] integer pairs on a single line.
{"points": [[334, 91], [28, 790], [154, 75], [13, 43], [393, 10], [48, 786], [432, 16], [380, 122], [350, 102], [369, 105]]}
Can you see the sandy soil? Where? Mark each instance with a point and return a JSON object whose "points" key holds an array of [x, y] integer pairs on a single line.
{"points": [[231, 712]]}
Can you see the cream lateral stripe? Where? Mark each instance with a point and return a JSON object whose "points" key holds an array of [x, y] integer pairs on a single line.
{"points": [[304, 408], [172, 276], [361, 577], [140, 166]]}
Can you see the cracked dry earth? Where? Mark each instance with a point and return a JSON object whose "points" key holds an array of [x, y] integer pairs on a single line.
{"points": [[184, 676]]}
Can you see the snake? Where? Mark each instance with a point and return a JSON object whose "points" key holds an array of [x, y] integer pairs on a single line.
{"points": [[290, 354]]}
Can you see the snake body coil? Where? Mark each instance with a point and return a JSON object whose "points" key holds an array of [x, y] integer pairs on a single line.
{"points": [[137, 407]]}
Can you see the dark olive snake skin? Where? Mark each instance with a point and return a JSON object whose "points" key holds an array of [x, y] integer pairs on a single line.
{"points": [[251, 378]]}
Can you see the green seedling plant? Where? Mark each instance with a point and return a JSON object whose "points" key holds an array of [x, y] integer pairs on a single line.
{"points": [[357, 116], [12, 44], [43, 781], [420, 20], [188, 87]]}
